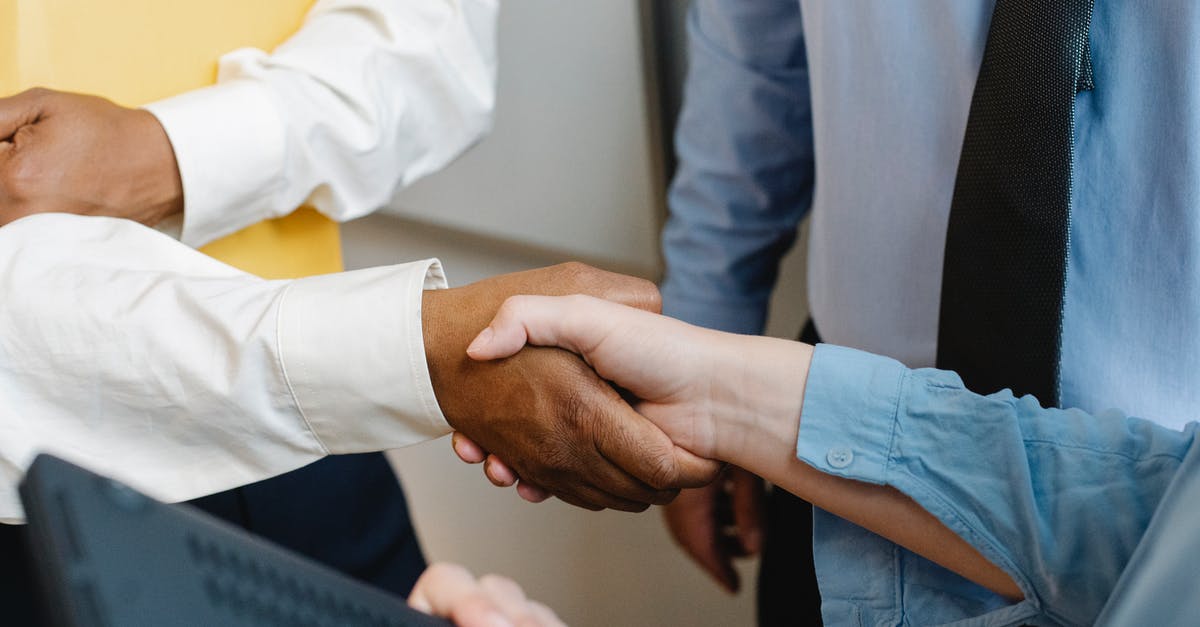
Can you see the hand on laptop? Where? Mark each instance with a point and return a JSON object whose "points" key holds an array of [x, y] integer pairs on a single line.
{"points": [[450, 591]]}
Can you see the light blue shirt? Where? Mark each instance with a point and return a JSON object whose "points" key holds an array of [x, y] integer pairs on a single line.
{"points": [[1158, 586], [853, 113], [1059, 499]]}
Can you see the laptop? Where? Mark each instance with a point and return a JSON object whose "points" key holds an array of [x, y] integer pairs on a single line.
{"points": [[107, 555]]}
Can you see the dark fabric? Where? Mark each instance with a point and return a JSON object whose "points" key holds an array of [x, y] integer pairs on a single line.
{"points": [[345, 511], [1006, 245], [787, 579]]}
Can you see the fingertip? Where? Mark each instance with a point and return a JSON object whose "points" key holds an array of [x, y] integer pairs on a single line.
{"points": [[478, 348], [498, 472], [531, 493], [466, 449]]}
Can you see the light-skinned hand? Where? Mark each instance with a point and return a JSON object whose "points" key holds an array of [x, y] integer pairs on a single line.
{"points": [[451, 591]]}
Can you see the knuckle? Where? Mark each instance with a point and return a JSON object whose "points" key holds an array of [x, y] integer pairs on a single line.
{"points": [[444, 571], [501, 584], [577, 301], [576, 267], [36, 93]]}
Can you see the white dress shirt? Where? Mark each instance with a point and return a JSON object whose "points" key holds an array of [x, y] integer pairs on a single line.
{"points": [[367, 96], [132, 354]]}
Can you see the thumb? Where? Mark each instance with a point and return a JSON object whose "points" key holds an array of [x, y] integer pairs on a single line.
{"points": [[563, 321]]}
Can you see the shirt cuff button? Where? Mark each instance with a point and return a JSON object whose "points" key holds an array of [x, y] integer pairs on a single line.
{"points": [[839, 457]]}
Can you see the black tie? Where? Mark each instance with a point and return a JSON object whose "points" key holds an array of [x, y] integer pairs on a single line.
{"points": [[1006, 246]]}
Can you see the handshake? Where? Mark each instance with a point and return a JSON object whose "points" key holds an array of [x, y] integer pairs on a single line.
{"points": [[537, 400], [584, 393]]}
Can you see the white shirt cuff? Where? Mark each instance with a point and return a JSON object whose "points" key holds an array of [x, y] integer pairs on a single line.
{"points": [[353, 353], [229, 143]]}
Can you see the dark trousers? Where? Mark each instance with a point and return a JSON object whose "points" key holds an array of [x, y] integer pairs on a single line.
{"points": [[345, 511], [787, 581]]}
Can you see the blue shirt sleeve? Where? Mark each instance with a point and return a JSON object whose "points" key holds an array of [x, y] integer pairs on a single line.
{"points": [[745, 172], [1059, 499]]}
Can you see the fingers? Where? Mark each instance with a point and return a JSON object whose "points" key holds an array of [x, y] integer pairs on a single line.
{"points": [[466, 449], [694, 521], [630, 441], [450, 591], [498, 472], [531, 492], [437, 585], [746, 500], [588, 497]]}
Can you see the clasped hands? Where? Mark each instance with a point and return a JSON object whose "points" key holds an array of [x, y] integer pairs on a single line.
{"points": [[694, 395]]}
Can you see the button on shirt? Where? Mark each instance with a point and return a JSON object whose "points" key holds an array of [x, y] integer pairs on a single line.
{"points": [[854, 113], [130, 353]]}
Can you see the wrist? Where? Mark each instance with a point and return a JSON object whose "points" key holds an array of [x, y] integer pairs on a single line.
{"points": [[762, 392], [163, 194], [437, 334]]}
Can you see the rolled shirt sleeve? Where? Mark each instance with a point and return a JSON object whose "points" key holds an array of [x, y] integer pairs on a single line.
{"points": [[1057, 498], [367, 96], [132, 354]]}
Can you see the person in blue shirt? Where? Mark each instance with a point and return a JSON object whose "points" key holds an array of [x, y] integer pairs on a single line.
{"points": [[853, 114], [1008, 513]]}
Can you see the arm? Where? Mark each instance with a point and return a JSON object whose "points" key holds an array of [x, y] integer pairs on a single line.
{"points": [[128, 352], [745, 172], [1042, 503], [368, 95], [744, 181], [133, 354]]}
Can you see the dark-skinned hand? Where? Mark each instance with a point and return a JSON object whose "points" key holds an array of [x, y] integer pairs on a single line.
{"points": [[544, 411], [70, 153]]}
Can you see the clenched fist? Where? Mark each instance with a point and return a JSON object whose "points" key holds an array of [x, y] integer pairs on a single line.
{"points": [[72, 153]]}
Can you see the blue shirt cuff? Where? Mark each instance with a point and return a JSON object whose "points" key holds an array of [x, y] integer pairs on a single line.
{"points": [[848, 422]]}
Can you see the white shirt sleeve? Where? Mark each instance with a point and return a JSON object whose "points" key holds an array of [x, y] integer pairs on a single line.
{"points": [[367, 96], [132, 354]]}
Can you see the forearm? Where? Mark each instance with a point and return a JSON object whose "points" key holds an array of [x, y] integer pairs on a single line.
{"points": [[766, 396], [367, 96], [980, 484], [144, 359], [745, 174]]}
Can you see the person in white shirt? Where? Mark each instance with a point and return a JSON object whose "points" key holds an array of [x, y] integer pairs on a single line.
{"points": [[133, 354]]}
